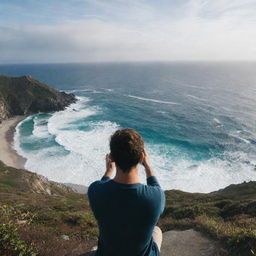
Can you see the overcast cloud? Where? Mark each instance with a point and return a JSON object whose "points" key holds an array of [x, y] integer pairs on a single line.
{"points": [[127, 30]]}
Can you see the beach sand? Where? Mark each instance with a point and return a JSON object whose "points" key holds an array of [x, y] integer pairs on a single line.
{"points": [[10, 157], [7, 153]]}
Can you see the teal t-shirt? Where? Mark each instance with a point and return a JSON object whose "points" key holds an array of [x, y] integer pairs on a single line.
{"points": [[126, 216]]}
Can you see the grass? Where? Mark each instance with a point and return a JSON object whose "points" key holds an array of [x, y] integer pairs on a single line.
{"points": [[56, 216], [59, 222], [227, 215]]}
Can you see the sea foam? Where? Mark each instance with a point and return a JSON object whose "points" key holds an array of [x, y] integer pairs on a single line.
{"points": [[40, 129], [78, 156]]}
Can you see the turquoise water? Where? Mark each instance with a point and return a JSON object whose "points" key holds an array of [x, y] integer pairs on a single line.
{"points": [[197, 119]]}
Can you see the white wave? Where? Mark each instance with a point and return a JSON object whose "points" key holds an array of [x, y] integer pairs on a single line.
{"points": [[161, 112], [84, 161], [79, 157], [196, 98], [84, 90], [205, 176], [75, 112], [17, 137], [40, 127], [88, 90], [153, 100], [82, 141], [217, 120], [239, 137], [107, 89]]}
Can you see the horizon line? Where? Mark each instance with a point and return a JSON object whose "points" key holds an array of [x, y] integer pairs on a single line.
{"points": [[127, 62]]}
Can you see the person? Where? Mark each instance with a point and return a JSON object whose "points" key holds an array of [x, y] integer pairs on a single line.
{"points": [[126, 210]]}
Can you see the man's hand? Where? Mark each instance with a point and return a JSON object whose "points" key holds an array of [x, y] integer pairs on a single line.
{"points": [[110, 166], [146, 163]]}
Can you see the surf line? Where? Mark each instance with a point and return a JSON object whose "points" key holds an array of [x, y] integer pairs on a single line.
{"points": [[153, 100]]}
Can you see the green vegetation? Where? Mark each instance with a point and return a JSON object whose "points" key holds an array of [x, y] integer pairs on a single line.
{"points": [[229, 215], [10, 241], [39, 217]]}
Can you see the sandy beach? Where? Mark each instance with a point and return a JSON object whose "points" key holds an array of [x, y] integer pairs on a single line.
{"points": [[7, 153]]}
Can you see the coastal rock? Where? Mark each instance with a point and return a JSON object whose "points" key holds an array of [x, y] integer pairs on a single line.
{"points": [[77, 188], [4, 113], [25, 95], [65, 237], [32, 182]]}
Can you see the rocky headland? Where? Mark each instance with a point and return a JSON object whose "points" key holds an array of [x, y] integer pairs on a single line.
{"points": [[20, 97], [25, 95]]}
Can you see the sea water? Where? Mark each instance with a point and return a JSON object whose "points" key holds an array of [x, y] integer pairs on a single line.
{"points": [[197, 119]]}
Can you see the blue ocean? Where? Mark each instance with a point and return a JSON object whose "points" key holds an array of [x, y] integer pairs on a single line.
{"points": [[198, 121]]}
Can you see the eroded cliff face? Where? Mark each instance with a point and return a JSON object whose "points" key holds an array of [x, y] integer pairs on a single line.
{"points": [[4, 113], [25, 95]]}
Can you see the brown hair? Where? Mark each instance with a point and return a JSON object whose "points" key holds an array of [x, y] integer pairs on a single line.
{"points": [[126, 147]]}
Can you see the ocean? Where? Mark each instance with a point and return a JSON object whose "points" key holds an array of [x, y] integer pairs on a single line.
{"points": [[197, 119]]}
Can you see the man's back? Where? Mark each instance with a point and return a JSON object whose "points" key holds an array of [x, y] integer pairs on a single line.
{"points": [[126, 215]]}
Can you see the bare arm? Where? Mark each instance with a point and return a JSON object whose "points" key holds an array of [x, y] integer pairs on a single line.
{"points": [[151, 178], [110, 166], [147, 165]]}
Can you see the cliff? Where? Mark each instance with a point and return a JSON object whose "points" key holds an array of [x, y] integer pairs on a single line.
{"points": [[40, 217], [25, 95]]}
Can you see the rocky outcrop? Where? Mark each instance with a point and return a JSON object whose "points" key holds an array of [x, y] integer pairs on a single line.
{"points": [[77, 188], [32, 183], [4, 113], [25, 95]]}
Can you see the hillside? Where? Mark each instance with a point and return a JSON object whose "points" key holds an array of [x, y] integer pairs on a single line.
{"points": [[228, 215], [25, 95], [49, 215], [40, 217]]}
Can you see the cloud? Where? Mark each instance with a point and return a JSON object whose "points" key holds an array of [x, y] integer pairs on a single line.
{"points": [[137, 31]]}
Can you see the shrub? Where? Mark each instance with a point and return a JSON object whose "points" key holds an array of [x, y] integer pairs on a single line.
{"points": [[240, 240], [10, 242], [192, 212]]}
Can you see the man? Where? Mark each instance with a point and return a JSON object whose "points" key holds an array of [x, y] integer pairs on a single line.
{"points": [[126, 210]]}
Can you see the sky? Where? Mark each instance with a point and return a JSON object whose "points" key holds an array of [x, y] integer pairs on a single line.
{"points": [[61, 31]]}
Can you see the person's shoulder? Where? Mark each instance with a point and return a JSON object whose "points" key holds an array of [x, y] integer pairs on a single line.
{"points": [[153, 190], [93, 186], [156, 193], [96, 185], [154, 196]]}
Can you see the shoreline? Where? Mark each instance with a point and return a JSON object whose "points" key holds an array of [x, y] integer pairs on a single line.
{"points": [[8, 155]]}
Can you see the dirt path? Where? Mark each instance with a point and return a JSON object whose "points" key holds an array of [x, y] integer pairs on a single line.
{"points": [[187, 243]]}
